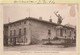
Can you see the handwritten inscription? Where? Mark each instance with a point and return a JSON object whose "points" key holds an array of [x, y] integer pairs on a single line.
{"points": [[35, 2]]}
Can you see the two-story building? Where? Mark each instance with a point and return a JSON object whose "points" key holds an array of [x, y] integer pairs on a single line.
{"points": [[34, 31]]}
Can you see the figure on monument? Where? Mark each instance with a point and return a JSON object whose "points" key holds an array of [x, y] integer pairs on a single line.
{"points": [[59, 17]]}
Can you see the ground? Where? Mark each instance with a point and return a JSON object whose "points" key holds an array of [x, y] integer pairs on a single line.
{"points": [[39, 48]]}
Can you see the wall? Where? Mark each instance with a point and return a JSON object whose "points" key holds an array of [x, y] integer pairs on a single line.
{"points": [[39, 31], [16, 26]]}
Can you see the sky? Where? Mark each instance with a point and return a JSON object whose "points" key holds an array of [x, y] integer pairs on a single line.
{"points": [[14, 12]]}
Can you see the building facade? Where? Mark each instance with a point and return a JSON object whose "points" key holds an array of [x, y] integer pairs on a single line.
{"points": [[36, 31]]}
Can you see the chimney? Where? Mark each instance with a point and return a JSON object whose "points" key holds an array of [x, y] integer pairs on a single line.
{"points": [[50, 20], [40, 18]]}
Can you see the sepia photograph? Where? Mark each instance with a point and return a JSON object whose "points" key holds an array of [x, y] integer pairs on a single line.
{"points": [[40, 27]]}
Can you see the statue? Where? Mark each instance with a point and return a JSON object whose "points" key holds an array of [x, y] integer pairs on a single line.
{"points": [[59, 17]]}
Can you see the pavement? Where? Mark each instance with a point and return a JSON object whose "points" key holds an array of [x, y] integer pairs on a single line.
{"points": [[39, 48]]}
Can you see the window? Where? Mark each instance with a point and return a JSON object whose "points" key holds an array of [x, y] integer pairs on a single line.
{"points": [[20, 23], [70, 33], [11, 33], [49, 32], [11, 36], [24, 31], [19, 32], [74, 32], [14, 32], [24, 22], [61, 32]]}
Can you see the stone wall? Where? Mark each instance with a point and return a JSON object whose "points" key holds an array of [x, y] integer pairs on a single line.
{"points": [[39, 31]]}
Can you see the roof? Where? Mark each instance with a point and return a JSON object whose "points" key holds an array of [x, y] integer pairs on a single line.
{"points": [[35, 19]]}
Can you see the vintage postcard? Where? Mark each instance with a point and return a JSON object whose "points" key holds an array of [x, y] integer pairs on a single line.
{"points": [[39, 27]]}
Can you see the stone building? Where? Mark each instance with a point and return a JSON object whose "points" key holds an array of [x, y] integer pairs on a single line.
{"points": [[36, 31]]}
